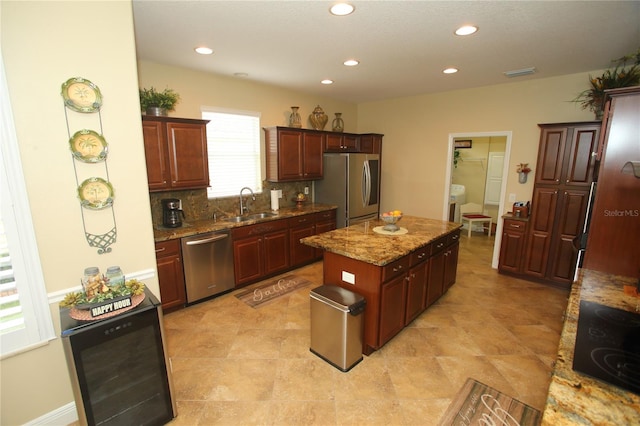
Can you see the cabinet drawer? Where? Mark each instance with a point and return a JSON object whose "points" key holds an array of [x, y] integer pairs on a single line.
{"points": [[307, 219], [514, 225], [453, 237], [438, 245], [398, 267], [421, 254], [326, 216], [168, 248], [259, 228]]}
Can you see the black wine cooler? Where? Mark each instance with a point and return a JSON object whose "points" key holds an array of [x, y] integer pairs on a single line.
{"points": [[119, 367]]}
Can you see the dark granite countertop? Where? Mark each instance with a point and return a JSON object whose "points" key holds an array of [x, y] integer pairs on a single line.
{"points": [[211, 225], [360, 242], [575, 398]]}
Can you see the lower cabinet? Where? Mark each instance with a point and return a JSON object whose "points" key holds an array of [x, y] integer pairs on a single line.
{"points": [[301, 227], [325, 222], [512, 245], [260, 250], [170, 275]]}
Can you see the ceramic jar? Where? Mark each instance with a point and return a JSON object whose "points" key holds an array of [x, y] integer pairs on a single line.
{"points": [[337, 125], [318, 118], [294, 119]]}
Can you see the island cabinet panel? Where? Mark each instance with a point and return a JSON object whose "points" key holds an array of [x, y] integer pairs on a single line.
{"points": [[393, 295], [175, 153], [416, 290], [170, 275]]}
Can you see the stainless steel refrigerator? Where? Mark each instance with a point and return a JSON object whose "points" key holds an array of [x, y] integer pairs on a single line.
{"points": [[351, 182]]}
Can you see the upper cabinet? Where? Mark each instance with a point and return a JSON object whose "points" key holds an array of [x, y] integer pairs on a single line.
{"points": [[297, 154], [176, 153]]}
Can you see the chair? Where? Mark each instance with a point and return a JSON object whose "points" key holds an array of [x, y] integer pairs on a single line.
{"points": [[472, 213]]}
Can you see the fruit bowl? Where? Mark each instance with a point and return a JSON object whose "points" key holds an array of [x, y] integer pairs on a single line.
{"points": [[390, 220]]}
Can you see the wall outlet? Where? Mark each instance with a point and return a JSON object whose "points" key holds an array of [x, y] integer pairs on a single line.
{"points": [[306, 190], [348, 277], [279, 193], [512, 198]]}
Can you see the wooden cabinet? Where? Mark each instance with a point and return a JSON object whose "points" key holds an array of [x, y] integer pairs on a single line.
{"points": [[371, 143], [417, 283], [341, 142], [260, 250], [512, 245], [170, 275], [175, 153], [612, 244], [565, 169], [293, 154], [301, 227], [325, 222]]}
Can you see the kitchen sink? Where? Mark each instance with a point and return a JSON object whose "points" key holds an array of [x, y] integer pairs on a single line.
{"points": [[255, 216]]}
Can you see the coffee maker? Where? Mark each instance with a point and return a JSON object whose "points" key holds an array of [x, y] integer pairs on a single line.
{"points": [[172, 215]]}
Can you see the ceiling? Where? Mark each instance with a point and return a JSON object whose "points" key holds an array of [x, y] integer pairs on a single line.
{"points": [[402, 46]]}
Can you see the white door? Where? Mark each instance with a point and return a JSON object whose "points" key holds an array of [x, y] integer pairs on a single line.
{"points": [[494, 178]]}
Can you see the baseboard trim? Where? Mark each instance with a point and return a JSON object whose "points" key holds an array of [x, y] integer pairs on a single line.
{"points": [[64, 415]]}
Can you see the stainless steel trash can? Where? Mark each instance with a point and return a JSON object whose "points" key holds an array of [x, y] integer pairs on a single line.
{"points": [[337, 326]]}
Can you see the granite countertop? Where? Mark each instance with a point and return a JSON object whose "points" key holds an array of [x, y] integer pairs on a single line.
{"points": [[210, 225], [360, 242], [575, 398]]}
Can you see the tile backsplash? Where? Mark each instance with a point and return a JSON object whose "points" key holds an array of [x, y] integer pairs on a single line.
{"points": [[197, 206]]}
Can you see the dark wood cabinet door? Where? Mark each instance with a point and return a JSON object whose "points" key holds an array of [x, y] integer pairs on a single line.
{"points": [[276, 251], [416, 289], [301, 253], [393, 295], [170, 275], [325, 222], [247, 259], [155, 155], [333, 143], [512, 246], [436, 278], [290, 155], [350, 143], [540, 231], [188, 160], [313, 156], [551, 155], [450, 266], [582, 156], [370, 144]]}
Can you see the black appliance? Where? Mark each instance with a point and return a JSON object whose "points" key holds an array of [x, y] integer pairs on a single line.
{"points": [[608, 345], [172, 215], [118, 367]]}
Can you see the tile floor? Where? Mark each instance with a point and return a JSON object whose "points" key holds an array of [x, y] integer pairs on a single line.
{"points": [[235, 365]]}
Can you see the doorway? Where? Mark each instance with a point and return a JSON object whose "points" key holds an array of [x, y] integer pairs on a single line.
{"points": [[482, 165]]}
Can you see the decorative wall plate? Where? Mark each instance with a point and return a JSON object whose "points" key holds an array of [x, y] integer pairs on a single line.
{"points": [[88, 146], [81, 95], [95, 193]]}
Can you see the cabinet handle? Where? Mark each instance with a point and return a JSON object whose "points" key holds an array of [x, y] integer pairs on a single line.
{"points": [[160, 249], [514, 226], [421, 255], [397, 269], [440, 245]]}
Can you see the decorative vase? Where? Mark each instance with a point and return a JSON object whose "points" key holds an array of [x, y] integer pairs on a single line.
{"points": [[522, 177], [318, 118], [337, 125], [156, 111], [294, 119]]}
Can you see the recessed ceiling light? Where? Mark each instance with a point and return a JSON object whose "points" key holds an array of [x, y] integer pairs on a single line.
{"points": [[450, 70], [466, 30], [351, 62], [327, 81], [341, 9], [204, 50]]}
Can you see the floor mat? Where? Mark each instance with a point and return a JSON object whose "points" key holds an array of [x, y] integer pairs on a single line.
{"points": [[267, 292], [479, 404]]}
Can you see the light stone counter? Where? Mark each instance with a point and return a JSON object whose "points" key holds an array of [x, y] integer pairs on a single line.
{"points": [[361, 243], [577, 399]]}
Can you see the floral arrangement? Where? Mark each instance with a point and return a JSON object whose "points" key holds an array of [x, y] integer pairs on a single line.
{"points": [[626, 73], [167, 99], [102, 292], [523, 168]]}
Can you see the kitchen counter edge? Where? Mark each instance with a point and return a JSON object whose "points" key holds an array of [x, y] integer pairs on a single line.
{"points": [[210, 225], [573, 397]]}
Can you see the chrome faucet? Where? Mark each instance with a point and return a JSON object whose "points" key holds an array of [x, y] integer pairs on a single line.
{"points": [[243, 208]]}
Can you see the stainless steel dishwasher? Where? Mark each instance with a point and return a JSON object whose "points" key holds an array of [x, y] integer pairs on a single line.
{"points": [[208, 264]]}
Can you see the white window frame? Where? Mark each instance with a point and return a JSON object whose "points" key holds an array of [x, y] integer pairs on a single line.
{"points": [[25, 260], [255, 182]]}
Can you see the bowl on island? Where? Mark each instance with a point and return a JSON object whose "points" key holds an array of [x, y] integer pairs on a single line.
{"points": [[390, 219]]}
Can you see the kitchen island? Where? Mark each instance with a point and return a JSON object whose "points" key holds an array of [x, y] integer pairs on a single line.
{"points": [[399, 274], [575, 398]]}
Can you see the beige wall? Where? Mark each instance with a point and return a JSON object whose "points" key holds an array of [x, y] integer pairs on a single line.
{"points": [[417, 131], [43, 45]]}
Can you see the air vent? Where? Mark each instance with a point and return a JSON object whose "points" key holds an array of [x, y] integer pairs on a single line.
{"points": [[519, 73]]}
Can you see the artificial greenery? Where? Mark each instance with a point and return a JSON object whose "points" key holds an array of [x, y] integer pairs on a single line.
{"points": [[167, 99], [626, 73], [456, 158], [130, 288]]}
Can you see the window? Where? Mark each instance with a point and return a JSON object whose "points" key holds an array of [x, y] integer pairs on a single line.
{"points": [[233, 143], [25, 320]]}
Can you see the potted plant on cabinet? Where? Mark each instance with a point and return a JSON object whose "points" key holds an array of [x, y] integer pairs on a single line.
{"points": [[626, 73], [153, 102]]}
